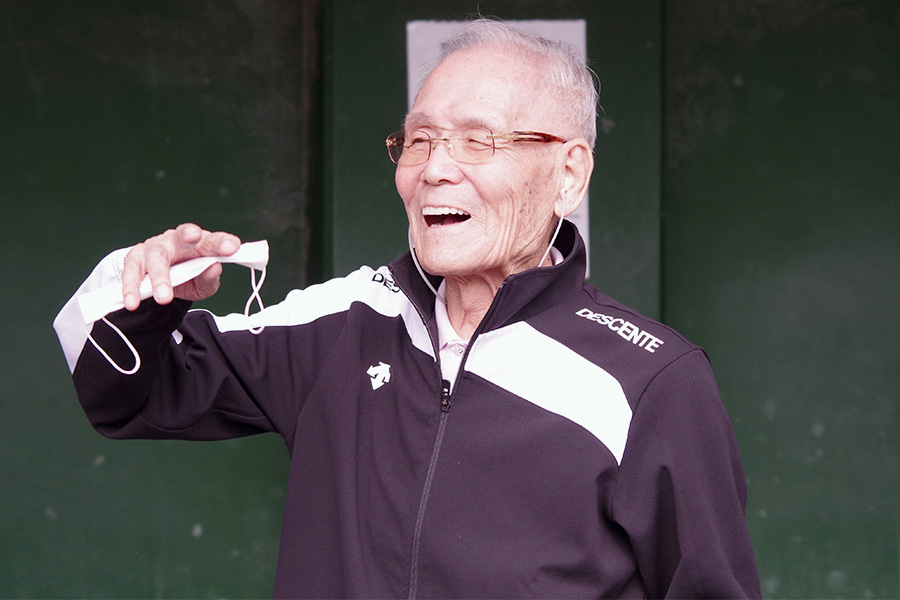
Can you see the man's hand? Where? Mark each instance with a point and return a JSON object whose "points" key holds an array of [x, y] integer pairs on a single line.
{"points": [[155, 255]]}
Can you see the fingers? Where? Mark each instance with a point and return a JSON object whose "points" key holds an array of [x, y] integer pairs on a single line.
{"points": [[203, 286], [199, 242], [156, 255]]}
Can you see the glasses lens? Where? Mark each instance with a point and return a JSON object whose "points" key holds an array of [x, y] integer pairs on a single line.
{"points": [[416, 148], [473, 146], [394, 144]]}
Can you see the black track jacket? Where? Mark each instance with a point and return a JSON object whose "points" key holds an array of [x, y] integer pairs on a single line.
{"points": [[583, 451]]}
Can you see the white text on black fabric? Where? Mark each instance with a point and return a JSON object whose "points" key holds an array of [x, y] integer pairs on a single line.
{"points": [[625, 329]]}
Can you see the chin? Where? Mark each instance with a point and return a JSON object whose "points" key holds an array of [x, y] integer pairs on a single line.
{"points": [[440, 268], [444, 266]]}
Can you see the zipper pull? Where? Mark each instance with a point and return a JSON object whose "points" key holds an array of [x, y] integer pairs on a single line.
{"points": [[445, 395]]}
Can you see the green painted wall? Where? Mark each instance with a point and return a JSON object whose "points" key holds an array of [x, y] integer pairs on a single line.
{"points": [[782, 257], [118, 120], [745, 191], [121, 119]]}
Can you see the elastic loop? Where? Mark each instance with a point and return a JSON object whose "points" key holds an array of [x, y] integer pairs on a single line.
{"points": [[134, 352], [255, 295]]}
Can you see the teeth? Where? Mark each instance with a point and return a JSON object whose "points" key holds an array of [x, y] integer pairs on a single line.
{"points": [[442, 210]]}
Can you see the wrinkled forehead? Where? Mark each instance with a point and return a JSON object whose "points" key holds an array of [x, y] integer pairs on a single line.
{"points": [[492, 87]]}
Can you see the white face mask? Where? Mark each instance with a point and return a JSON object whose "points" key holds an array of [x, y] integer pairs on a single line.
{"points": [[96, 304]]}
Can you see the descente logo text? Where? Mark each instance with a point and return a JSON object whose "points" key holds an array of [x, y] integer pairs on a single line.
{"points": [[626, 329], [386, 282]]}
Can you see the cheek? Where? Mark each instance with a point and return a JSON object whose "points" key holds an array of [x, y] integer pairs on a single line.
{"points": [[405, 181], [533, 201], [533, 207]]}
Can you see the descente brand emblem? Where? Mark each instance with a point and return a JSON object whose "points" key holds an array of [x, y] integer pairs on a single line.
{"points": [[626, 329], [379, 374]]}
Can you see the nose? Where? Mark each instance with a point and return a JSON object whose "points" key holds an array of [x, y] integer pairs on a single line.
{"points": [[440, 166]]}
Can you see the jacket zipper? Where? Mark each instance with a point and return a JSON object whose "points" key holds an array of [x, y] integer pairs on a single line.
{"points": [[439, 438], [429, 478], [435, 450]]}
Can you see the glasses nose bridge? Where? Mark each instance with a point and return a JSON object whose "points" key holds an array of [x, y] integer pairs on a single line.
{"points": [[451, 151]]}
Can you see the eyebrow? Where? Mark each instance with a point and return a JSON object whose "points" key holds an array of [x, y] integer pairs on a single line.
{"points": [[419, 119]]}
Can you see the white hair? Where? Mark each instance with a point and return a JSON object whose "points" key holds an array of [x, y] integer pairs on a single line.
{"points": [[567, 72]]}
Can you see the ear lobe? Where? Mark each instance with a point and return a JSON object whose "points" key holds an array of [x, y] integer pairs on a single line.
{"points": [[566, 204], [577, 164]]}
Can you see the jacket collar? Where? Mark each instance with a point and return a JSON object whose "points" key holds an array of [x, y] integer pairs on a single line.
{"points": [[522, 295]]}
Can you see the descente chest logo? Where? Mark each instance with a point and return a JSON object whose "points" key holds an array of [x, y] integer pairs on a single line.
{"points": [[386, 282], [625, 329]]}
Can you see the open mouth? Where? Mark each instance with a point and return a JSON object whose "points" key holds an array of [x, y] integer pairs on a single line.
{"points": [[438, 216]]}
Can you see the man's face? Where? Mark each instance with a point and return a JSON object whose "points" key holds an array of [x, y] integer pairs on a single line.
{"points": [[490, 219]]}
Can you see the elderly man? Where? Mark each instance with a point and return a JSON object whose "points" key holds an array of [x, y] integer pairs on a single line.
{"points": [[472, 420]]}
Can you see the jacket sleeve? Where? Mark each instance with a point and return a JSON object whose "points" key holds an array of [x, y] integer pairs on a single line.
{"points": [[191, 384], [680, 492]]}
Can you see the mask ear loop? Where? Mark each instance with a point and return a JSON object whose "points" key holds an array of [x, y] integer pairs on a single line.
{"points": [[412, 251], [254, 295], [134, 352]]}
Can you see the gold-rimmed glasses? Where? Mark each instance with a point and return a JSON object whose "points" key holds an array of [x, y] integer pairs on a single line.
{"points": [[473, 146]]}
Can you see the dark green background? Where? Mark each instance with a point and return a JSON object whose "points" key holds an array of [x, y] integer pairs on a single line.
{"points": [[746, 192]]}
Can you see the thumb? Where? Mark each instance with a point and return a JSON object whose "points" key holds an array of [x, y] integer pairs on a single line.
{"points": [[202, 286]]}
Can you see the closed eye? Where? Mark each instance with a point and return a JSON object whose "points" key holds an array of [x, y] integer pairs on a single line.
{"points": [[418, 141]]}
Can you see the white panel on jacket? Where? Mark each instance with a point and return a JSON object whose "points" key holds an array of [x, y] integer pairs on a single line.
{"points": [[375, 289], [537, 368], [69, 324]]}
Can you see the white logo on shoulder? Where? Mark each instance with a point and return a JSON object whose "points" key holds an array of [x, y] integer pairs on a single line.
{"points": [[626, 329], [380, 374]]}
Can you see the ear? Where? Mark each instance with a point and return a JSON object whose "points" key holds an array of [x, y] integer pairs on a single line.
{"points": [[576, 163]]}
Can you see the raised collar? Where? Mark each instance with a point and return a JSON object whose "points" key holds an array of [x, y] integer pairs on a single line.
{"points": [[521, 295]]}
